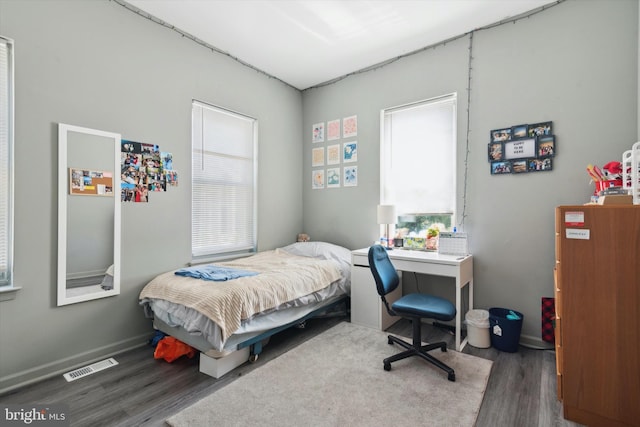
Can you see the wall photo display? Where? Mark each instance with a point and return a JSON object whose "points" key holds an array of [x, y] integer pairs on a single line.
{"points": [[522, 148], [144, 170], [341, 149]]}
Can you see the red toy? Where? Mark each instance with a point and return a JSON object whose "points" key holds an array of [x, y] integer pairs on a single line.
{"points": [[613, 171]]}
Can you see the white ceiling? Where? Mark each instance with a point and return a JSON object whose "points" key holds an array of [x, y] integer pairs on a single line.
{"points": [[308, 42]]}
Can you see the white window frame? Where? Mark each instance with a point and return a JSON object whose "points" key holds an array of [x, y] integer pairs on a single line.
{"points": [[213, 224], [7, 108], [422, 164]]}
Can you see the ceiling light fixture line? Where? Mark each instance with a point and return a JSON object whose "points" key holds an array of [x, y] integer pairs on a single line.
{"points": [[466, 155]]}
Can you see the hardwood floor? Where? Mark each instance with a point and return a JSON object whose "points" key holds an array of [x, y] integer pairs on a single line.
{"points": [[142, 391]]}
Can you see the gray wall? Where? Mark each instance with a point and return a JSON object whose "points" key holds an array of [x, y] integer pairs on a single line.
{"points": [[95, 64], [575, 64]]}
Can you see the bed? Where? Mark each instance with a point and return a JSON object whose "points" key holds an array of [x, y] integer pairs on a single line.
{"points": [[229, 321]]}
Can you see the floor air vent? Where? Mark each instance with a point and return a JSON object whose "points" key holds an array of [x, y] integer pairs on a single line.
{"points": [[91, 369]]}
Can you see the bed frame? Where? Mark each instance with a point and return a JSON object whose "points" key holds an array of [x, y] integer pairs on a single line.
{"points": [[250, 349]]}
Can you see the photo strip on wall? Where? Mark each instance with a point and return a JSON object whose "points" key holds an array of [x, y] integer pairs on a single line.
{"points": [[522, 148]]}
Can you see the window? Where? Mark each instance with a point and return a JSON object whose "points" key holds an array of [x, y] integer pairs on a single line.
{"points": [[418, 164], [6, 163], [224, 173]]}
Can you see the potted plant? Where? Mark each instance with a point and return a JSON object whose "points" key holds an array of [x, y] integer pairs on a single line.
{"points": [[432, 237]]}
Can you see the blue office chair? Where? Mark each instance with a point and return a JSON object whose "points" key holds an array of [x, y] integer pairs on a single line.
{"points": [[412, 306]]}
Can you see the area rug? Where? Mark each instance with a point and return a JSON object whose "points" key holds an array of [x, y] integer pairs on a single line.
{"points": [[337, 379]]}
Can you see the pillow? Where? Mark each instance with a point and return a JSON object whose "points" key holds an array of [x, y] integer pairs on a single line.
{"points": [[323, 250]]}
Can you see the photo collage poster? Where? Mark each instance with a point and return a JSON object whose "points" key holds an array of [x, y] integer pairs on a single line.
{"points": [[144, 170]]}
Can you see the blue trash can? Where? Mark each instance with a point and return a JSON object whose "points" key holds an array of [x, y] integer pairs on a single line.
{"points": [[505, 326]]}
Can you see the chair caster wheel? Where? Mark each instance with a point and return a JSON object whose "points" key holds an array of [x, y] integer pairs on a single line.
{"points": [[452, 377], [389, 341], [253, 358], [443, 348], [387, 366]]}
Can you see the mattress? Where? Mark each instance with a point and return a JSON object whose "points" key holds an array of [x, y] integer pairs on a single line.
{"points": [[210, 336]]}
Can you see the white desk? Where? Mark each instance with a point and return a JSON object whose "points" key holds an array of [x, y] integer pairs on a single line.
{"points": [[458, 267]]}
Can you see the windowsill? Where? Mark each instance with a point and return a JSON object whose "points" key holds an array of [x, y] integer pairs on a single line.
{"points": [[220, 258], [8, 293]]}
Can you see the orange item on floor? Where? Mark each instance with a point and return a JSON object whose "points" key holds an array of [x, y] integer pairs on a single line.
{"points": [[170, 349]]}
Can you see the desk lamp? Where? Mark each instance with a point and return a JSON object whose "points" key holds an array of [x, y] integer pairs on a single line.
{"points": [[387, 215]]}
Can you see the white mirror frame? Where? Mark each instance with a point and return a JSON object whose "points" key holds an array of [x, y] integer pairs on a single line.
{"points": [[63, 194]]}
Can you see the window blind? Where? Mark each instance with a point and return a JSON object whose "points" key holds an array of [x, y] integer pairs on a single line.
{"points": [[224, 172], [418, 157], [6, 162]]}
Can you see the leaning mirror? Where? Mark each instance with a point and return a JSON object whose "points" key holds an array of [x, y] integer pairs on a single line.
{"points": [[88, 214]]}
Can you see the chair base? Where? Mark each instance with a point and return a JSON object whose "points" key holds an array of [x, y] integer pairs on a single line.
{"points": [[417, 349]]}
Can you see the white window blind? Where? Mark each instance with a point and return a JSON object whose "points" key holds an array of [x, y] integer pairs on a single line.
{"points": [[6, 161], [418, 157], [224, 173]]}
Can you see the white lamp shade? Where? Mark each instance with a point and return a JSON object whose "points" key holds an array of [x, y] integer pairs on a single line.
{"points": [[387, 214]]}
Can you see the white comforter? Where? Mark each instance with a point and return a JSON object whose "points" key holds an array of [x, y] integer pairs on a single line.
{"points": [[283, 277]]}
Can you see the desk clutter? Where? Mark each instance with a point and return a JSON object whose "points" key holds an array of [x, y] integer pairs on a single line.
{"points": [[445, 243]]}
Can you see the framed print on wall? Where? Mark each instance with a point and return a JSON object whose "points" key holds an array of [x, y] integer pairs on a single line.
{"points": [[317, 179], [333, 130], [318, 132], [350, 176], [519, 166], [519, 131], [350, 126], [317, 157], [498, 168], [333, 177], [333, 154], [498, 135], [546, 146], [350, 152], [495, 151], [540, 129], [538, 165]]}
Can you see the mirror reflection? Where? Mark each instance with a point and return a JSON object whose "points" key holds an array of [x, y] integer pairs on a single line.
{"points": [[88, 214]]}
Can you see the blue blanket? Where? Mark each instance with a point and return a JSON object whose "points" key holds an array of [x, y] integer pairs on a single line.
{"points": [[214, 272]]}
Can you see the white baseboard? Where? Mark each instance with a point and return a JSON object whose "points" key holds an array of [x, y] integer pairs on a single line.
{"points": [[58, 367], [530, 341]]}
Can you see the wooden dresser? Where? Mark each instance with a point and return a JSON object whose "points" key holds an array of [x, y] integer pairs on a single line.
{"points": [[597, 291]]}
